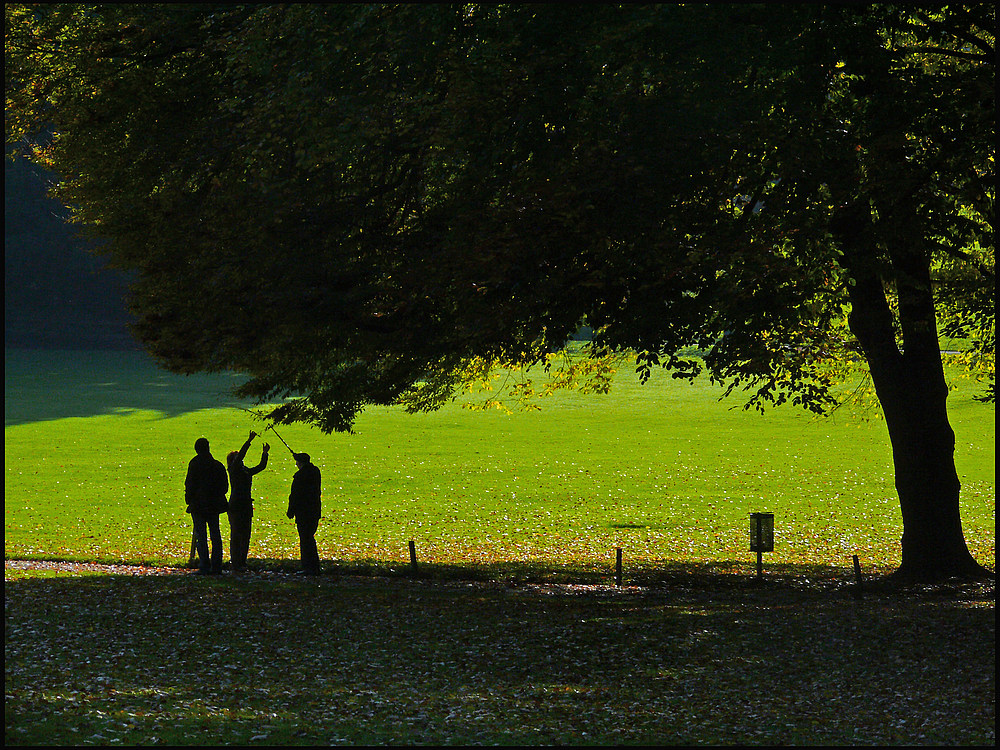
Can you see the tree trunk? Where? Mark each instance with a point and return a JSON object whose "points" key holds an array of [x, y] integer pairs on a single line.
{"points": [[913, 396], [912, 391]]}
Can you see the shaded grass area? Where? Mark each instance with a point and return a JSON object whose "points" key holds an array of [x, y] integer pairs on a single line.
{"points": [[702, 658], [51, 384]]}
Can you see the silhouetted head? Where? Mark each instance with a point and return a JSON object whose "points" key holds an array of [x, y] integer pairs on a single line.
{"points": [[232, 456], [301, 458], [201, 445]]}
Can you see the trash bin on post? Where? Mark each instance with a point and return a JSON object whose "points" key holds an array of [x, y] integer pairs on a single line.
{"points": [[761, 537]]}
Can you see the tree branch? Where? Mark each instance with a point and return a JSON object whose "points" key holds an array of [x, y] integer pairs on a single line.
{"points": [[965, 36], [981, 268], [944, 51]]}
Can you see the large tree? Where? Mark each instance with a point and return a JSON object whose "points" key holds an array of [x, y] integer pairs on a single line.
{"points": [[359, 204]]}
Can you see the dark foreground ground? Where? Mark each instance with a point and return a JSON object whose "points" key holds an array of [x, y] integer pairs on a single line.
{"points": [[124, 655]]}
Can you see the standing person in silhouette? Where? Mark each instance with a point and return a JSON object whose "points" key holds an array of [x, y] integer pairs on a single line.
{"points": [[205, 488], [241, 502], [304, 507]]}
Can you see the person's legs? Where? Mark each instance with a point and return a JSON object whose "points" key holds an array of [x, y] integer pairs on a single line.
{"points": [[234, 546], [307, 545], [216, 537], [201, 542], [245, 539], [239, 539]]}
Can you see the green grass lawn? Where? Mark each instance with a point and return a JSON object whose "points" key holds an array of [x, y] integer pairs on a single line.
{"points": [[513, 631], [95, 460]]}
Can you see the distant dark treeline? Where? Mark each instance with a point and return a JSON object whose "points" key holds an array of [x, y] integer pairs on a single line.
{"points": [[57, 295]]}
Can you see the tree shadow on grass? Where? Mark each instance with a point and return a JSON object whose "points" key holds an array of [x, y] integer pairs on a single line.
{"points": [[345, 658], [723, 581], [42, 385]]}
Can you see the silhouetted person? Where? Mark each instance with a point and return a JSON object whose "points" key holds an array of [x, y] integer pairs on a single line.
{"points": [[304, 507], [241, 502], [205, 490]]}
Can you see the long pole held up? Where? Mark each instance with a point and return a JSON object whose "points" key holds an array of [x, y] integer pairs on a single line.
{"points": [[271, 428]]}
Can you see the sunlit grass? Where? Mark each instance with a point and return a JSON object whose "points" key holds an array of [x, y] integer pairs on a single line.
{"points": [[665, 471]]}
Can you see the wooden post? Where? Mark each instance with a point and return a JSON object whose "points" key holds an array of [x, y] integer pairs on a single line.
{"points": [[618, 566], [194, 550], [413, 556], [857, 577]]}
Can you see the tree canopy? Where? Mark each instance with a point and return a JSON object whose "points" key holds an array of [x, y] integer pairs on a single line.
{"points": [[370, 204]]}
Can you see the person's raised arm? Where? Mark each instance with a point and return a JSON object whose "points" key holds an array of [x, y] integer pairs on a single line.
{"points": [[263, 461]]}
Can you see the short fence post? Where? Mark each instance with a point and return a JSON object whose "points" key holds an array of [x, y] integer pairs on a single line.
{"points": [[618, 566], [413, 556], [857, 577]]}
